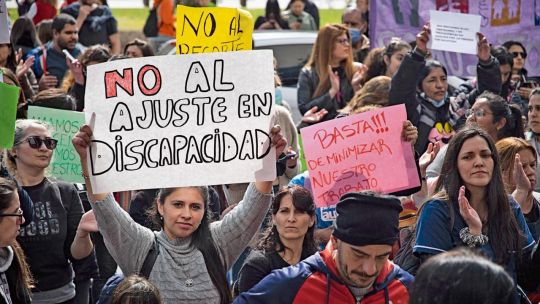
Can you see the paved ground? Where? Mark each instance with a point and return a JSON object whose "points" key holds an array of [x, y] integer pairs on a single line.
{"points": [[225, 3]]}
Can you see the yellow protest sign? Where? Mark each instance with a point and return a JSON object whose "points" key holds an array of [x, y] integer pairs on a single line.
{"points": [[212, 29]]}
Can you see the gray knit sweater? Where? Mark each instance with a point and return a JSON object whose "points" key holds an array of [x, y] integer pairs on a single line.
{"points": [[129, 243]]}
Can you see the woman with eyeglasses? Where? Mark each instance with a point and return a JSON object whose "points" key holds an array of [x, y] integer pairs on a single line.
{"points": [[494, 115], [519, 73], [15, 276], [330, 78], [54, 239], [423, 87]]}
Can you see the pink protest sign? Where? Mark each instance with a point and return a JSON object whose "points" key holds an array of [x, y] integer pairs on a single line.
{"points": [[360, 152]]}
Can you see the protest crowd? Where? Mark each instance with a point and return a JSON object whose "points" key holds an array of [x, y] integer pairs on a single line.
{"points": [[131, 177]]}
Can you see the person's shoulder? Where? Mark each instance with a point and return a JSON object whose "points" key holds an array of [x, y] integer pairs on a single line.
{"points": [[436, 203], [71, 9], [394, 278], [310, 3], [62, 185], [280, 286], [257, 257], [307, 70], [434, 209]]}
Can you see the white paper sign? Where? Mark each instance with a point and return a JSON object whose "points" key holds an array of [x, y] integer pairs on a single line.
{"points": [[454, 32], [4, 23], [190, 120]]}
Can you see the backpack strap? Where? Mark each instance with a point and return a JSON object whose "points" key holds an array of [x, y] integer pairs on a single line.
{"points": [[150, 260]]}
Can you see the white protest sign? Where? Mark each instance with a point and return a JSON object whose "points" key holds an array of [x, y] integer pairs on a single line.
{"points": [[4, 23], [190, 120], [454, 32]]}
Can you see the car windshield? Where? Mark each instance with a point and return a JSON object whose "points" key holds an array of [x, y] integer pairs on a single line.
{"points": [[290, 59]]}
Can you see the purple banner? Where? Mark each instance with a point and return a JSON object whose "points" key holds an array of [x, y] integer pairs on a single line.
{"points": [[502, 20]]}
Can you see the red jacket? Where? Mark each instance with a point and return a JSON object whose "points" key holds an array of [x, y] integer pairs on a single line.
{"points": [[44, 11], [316, 280]]}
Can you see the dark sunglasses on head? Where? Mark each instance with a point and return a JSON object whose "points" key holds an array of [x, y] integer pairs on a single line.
{"points": [[522, 54], [35, 142]]}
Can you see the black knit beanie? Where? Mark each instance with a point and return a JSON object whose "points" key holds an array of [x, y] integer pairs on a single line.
{"points": [[367, 219]]}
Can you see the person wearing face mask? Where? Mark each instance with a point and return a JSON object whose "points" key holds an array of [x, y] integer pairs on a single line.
{"points": [[354, 19], [422, 85], [353, 268]]}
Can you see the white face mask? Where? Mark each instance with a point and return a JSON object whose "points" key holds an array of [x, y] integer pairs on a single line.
{"points": [[435, 103]]}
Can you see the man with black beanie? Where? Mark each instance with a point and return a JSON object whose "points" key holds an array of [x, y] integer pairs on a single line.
{"points": [[354, 267]]}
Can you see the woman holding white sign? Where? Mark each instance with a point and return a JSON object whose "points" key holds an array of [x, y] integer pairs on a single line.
{"points": [[422, 86], [193, 254]]}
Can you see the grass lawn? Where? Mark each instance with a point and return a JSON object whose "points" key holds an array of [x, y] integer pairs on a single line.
{"points": [[133, 19]]}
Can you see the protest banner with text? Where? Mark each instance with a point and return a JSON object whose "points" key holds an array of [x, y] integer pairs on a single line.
{"points": [[189, 120], [9, 95], [501, 20], [212, 29], [360, 152], [454, 32], [65, 164]]}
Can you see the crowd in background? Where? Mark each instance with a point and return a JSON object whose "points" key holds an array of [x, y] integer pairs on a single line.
{"points": [[476, 150]]}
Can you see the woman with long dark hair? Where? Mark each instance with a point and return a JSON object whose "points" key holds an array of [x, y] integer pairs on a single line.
{"points": [[422, 86], [24, 35], [272, 18], [193, 254], [462, 277], [522, 83], [287, 241], [15, 277], [469, 208], [330, 78]]}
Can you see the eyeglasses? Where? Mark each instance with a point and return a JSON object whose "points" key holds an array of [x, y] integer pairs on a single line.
{"points": [[477, 112], [35, 142], [521, 54], [343, 41], [18, 214]]}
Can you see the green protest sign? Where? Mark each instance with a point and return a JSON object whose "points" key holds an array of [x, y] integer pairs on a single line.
{"points": [[9, 97], [65, 164]]}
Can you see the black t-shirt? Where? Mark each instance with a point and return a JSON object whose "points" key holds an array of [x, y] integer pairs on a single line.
{"points": [[97, 27], [46, 241], [258, 265]]}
